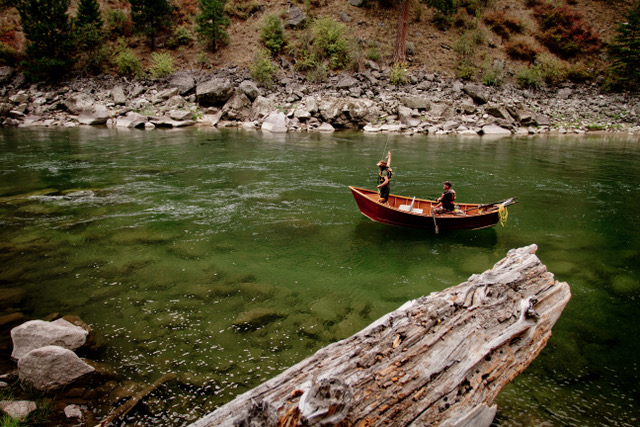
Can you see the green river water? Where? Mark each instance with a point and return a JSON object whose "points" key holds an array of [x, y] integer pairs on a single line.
{"points": [[227, 256]]}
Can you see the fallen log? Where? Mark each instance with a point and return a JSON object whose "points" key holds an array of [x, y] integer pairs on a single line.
{"points": [[437, 360]]}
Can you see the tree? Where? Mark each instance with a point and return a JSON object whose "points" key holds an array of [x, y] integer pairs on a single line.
{"points": [[150, 16], [625, 49], [89, 36], [47, 28], [212, 21], [399, 51]]}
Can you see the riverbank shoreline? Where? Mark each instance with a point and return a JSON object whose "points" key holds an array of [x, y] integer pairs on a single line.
{"points": [[368, 102]]}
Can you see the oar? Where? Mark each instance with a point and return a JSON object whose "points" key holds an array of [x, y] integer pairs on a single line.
{"points": [[435, 224], [511, 201]]}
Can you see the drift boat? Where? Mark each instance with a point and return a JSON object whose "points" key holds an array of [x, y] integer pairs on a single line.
{"points": [[417, 213]]}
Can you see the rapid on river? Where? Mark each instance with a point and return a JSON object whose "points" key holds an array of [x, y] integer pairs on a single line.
{"points": [[227, 256]]}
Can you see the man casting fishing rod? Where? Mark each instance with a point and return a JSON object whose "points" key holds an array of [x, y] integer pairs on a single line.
{"points": [[384, 177]]}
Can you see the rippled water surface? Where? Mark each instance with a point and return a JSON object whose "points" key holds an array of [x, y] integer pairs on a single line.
{"points": [[226, 257]]}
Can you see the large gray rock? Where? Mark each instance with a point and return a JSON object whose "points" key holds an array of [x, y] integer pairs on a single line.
{"points": [[118, 96], [261, 108], [408, 117], [79, 103], [163, 95], [250, 89], [498, 111], [38, 333], [180, 115], [295, 16], [18, 409], [494, 130], [415, 102], [98, 115], [237, 108], [477, 93], [184, 82], [346, 82], [214, 92], [131, 120], [50, 368], [5, 74], [276, 122]]}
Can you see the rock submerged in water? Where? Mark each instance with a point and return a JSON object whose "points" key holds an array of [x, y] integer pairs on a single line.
{"points": [[256, 318]]}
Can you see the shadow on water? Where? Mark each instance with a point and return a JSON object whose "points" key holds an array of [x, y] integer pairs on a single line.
{"points": [[374, 233]]}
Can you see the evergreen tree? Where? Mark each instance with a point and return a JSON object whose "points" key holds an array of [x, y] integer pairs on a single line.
{"points": [[89, 36], [47, 28], [89, 14], [212, 21], [150, 16], [624, 52]]}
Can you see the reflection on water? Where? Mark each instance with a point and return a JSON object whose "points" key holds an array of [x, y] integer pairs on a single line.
{"points": [[226, 257]]}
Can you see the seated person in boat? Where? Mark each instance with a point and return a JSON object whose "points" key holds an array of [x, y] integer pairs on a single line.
{"points": [[384, 177], [446, 200]]}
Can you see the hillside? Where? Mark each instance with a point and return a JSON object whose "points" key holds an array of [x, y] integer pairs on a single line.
{"points": [[371, 30]]}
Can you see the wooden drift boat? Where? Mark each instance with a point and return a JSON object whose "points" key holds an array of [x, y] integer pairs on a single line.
{"points": [[416, 213]]}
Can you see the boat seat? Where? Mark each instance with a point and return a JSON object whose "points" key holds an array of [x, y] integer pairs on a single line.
{"points": [[410, 208]]}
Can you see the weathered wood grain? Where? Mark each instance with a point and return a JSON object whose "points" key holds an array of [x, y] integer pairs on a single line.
{"points": [[437, 360]]}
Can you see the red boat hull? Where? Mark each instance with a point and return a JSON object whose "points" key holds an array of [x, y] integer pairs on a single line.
{"points": [[391, 214]]}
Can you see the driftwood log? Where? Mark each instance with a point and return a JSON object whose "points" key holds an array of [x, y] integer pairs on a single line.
{"points": [[437, 360]]}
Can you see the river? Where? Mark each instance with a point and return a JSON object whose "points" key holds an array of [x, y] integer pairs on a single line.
{"points": [[227, 256]]}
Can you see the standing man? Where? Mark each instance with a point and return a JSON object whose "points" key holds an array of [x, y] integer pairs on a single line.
{"points": [[384, 177], [445, 201]]}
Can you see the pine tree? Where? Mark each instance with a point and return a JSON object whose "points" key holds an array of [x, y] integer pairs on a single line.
{"points": [[150, 16], [89, 36], [212, 21], [89, 14], [47, 28], [624, 52]]}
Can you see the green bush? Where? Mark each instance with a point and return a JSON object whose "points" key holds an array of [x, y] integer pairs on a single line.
{"points": [[162, 65], [128, 63], [373, 53], [398, 76], [272, 34], [553, 70], [263, 69], [116, 22], [530, 77], [182, 36], [329, 42], [493, 75], [242, 9], [466, 71]]}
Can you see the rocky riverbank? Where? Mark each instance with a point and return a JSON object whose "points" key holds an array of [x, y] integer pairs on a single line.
{"points": [[428, 104]]}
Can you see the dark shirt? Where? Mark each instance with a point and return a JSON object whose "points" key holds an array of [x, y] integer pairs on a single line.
{"points": [[382, 175], [447, 199]]}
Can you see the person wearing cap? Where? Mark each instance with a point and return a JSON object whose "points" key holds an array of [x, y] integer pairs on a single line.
{"points": [[384, 176], [445, 201]]}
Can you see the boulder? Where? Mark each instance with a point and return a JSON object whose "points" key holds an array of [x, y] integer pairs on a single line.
{"points": [[494, 130], [326, 128], [214, 92], [118, 96], [38, 333], [498, 111], [261, 108], [276, 122], [408, 117], [346, 82], [182, 81], [18, 409], [238, 107], [52, 367], [180, 115], [477, 93], [79, 103], [164, 95], [250, 89], [131, 120], [415, 102], [295, 16], [98, 115], [5, 74]]}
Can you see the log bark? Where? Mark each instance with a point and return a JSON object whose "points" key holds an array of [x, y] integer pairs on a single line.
{"points": [[437, 360]]}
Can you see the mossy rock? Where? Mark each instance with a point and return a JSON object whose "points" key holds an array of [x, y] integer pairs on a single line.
{"points": [[256, 318]]}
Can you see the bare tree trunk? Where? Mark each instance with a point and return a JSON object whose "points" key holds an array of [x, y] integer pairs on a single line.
{"points": [[437, 360], [399, 52]]}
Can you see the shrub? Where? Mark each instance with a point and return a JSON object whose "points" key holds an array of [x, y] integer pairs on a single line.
{"points": [[503, 25], [530, 77], [127, 63], [182, 36], [116, 22], [466, 70], [272, 34], [8, 55], [242, 9], [263, 68], [493, 74], [522, 50], [553, 70], [466, 45], [373, 53], [564, 32], [330, 43], [162, 65], [578, 73], [398, 76]]}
